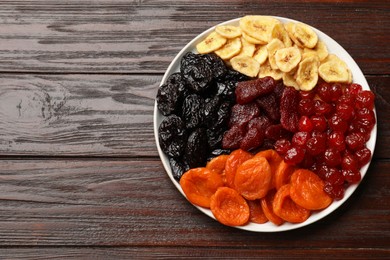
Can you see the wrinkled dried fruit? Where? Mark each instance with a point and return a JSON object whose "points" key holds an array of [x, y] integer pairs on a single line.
{"points": [[289, 103], [242, 114], [248, 91], [197, 72], [193, 111], [172, 136], [196, 149]]}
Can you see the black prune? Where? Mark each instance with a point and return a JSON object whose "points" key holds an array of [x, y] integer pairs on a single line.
{"points": [[172, 136], [178, 167], [196, 149], [214, 138], [193, 111], [196, 71], [217, 152], [211, 111], [169, 95], [226, 90], [216, 64], [233, 75]]}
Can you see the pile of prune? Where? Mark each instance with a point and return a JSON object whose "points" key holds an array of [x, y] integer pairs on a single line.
{"points": [[265, 112], [196, 103]]}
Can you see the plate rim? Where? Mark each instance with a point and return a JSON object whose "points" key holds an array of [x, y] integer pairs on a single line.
{"points": [[271, 227]]}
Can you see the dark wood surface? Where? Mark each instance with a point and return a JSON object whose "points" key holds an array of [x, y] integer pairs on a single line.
{"points": [[80, 175]]}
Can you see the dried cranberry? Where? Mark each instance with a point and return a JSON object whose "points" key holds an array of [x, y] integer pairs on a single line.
{"points": [[334, 176], [355, 141], [336, 123], [316, 145], [305, 124], [324, 91], [282, 146], [306, 107], [351, 176], [332, 157], [336, 140], [294, 155], [300, 139], [307, 94], [345, 111], [322, 108], [365, 99], [353, 89], [350, 162], [319, 123], [334, 191], [363, 155]]}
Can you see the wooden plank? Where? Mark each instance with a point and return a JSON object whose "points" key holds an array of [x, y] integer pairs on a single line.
{"points": [[192, 252], [102, 115], [133, 203], [72, 115], [144, 36]]}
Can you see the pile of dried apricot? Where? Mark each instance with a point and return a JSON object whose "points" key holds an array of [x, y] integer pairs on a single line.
{"points": [[241, 187]]}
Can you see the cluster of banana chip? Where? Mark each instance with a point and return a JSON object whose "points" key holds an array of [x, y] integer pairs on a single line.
{"points": [[263, 46]]}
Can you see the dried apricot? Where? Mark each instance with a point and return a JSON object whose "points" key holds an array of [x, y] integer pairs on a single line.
{"points": [[307, 190], [235, 159], [229, 207], [273, 159], [256, 212], [287, 209], [199, 184], [253, 178], [266, 205], [283, 174]]}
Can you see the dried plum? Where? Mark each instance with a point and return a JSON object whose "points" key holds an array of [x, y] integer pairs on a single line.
{"points": [[214, 138], [170, 94], [172, 136], [226, 90], [235, 76], [216, 64], [196, 149], [178, 167], [193, 111], [197, 72], [211, 108], [247, 91], [217, 152]]}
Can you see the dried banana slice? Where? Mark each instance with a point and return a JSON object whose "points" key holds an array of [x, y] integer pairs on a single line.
{"points": [[230, 49], [289, 80], [246, 65], [258, 26], [261, 54], [287, 59], [228, 31], [272, 47], [307, 74], [279, 32], [212, 42], [248, 48], [322, 50], [334, 71], [267, 70], [251, 39], [304, 35]]}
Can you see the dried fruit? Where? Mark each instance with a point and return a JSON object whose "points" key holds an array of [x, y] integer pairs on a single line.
{"points": [[172, 136], [289, 103]]}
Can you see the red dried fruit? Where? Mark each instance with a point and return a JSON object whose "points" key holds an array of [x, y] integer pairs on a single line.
{"points": [[289, 103], [242, 114], [261, 123], [276, 132], [351, 176], [300, 139], [319, 123], [270, 105], [336, 140], [282, 146], [305, 124], [365, 99], [232, 138], [363, 155], [247, 91], [306, 107], [336, 123], [332, 157], [350, 162], [294, 155], [353, 89], [253, 139], [355, 141]]}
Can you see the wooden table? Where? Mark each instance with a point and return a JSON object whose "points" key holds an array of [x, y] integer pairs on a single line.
{"points": [[80, 173]]}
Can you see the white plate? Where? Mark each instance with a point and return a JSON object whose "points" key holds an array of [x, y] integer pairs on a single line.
{"points": [[358, 77]]}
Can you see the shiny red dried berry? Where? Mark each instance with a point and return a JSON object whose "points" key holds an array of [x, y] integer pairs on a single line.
{"points": [[365, 99], [294, 155], [363, 155], [289, 103]]}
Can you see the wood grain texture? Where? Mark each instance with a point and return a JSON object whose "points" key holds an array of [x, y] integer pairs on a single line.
{"points": [[77, 115], [192, 252], [144, 36], [103, 115], [133, 203]]}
